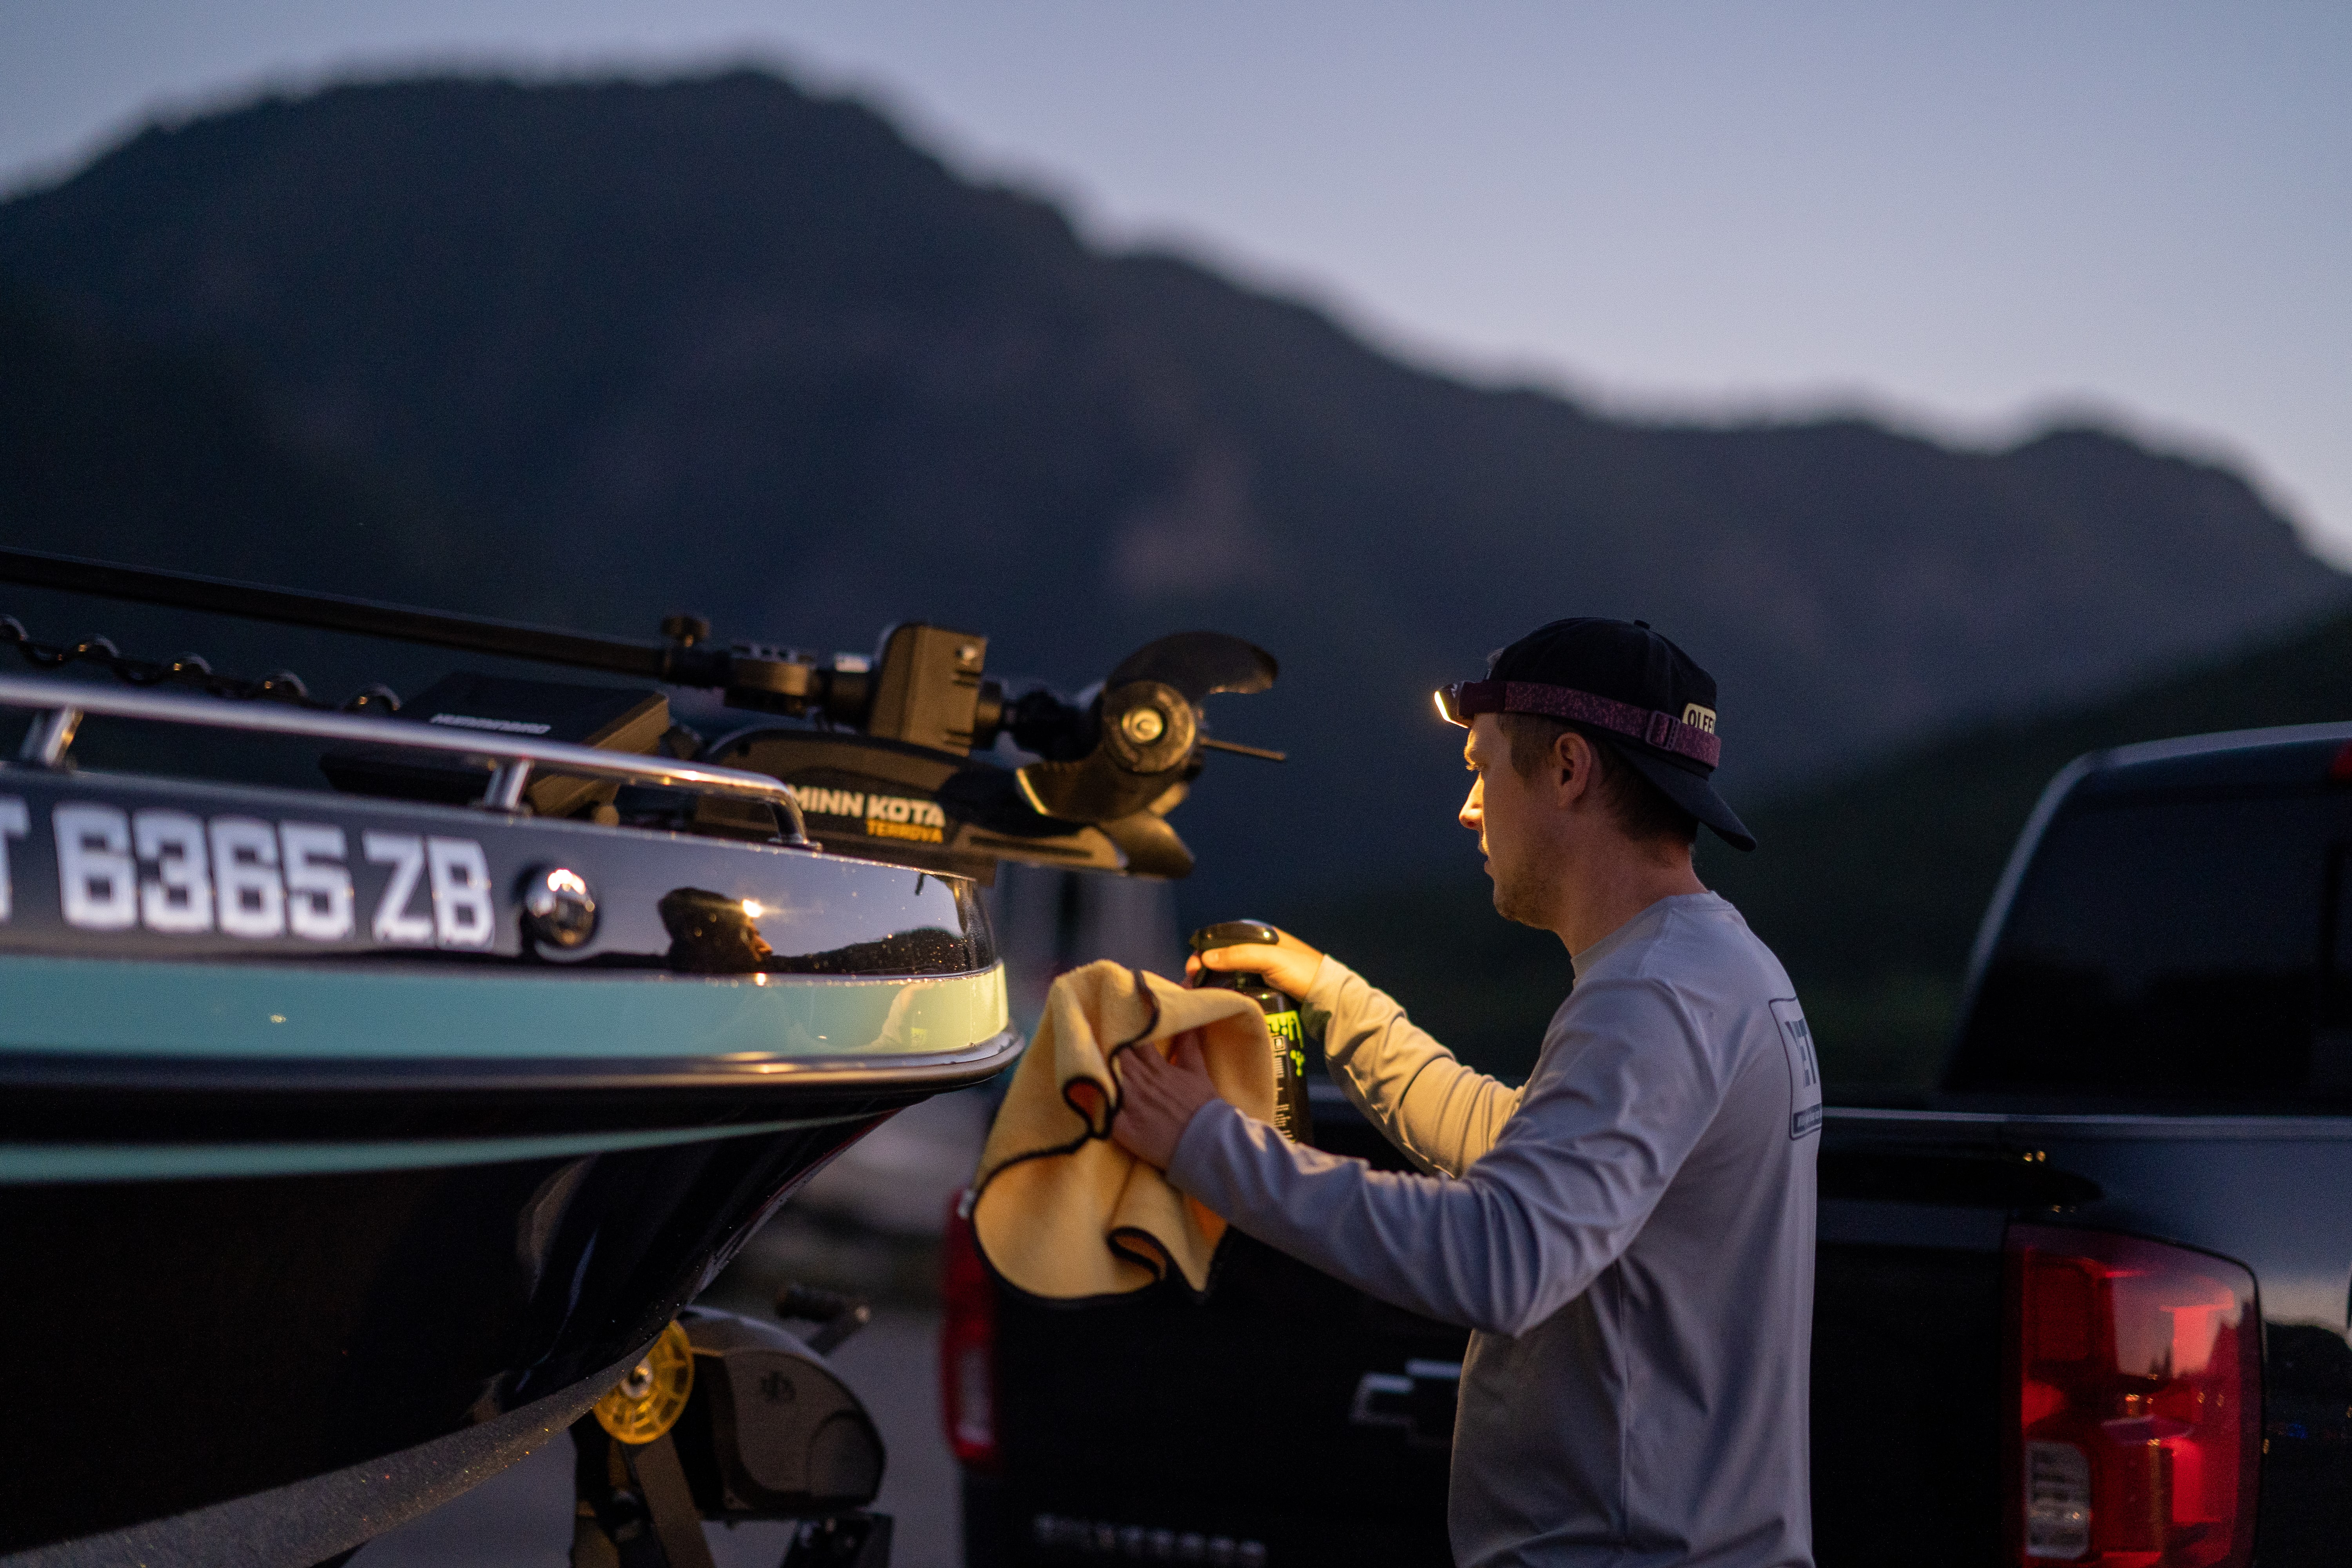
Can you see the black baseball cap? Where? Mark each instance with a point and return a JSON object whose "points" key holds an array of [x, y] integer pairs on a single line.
{"points": [[1624, 686]]}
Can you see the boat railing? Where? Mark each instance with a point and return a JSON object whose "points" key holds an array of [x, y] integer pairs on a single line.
{"points": [[512, 759]]}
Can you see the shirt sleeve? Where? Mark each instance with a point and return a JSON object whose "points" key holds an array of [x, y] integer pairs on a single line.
{"points": [[1442, 1114], [1625, 1086]]}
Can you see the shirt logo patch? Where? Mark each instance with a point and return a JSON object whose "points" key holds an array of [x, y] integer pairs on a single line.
{"points": [[1804, 1068]]}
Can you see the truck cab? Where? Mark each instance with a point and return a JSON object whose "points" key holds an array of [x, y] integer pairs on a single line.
{"points": [[2089, 1305]]}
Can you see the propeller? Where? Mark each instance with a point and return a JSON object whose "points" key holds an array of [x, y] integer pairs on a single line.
{"points": [[1150, 846], [1197, 664], [1147, 727]]}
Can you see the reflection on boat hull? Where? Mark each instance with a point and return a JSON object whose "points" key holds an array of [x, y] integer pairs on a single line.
{"points": [[211, 1339]]}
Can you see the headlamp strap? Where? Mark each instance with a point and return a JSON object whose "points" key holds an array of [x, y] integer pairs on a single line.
{"points": [[1652, 727]]}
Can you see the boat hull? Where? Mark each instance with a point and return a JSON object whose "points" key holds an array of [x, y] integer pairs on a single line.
{"points": [[280, 1208], [218, 1337], [320, 1517]]}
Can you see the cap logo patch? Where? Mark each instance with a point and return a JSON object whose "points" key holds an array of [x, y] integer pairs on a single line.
{"points": [[1699, 718]]}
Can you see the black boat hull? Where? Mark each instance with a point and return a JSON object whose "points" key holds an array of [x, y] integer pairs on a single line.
{"points": [[228, 1337], [323, 1518]]}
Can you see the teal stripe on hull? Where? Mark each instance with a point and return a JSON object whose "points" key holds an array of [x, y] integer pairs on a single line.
{"points": [[25, 1163], [281, 1011]]}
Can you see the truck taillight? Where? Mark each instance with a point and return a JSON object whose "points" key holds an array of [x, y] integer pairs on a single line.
{"points": [[2139, 1388], [968, 1345]]}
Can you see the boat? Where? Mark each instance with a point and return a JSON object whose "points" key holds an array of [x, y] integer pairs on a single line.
{"points": [[356, 1139]]}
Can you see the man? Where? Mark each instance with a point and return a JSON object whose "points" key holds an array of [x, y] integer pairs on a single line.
{"points": [[1630, 1233]]}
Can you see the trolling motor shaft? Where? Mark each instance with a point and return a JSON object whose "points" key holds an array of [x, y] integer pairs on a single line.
{"points": [[884, 758]]}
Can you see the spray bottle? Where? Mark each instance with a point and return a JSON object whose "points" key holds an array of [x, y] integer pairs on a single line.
{"points": [[1291, 1117]]}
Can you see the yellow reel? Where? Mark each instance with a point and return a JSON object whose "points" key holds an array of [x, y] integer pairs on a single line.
{"points": [[648, 1402]]}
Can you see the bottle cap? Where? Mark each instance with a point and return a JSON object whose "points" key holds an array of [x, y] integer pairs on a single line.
{"points": [[1235, 934]]}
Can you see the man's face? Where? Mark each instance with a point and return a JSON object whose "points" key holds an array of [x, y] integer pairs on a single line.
{"points": [[1506, 814]]}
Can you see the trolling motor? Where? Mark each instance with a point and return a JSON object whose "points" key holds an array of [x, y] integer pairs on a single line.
{"points": [[906, 787], [880, 750]]}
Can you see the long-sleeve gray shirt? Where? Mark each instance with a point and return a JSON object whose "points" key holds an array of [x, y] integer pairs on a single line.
{"points": [[1631, 1235]]}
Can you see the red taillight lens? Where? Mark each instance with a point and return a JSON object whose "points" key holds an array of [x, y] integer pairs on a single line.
{"points": [[2138, 1383], [968, 1345]]}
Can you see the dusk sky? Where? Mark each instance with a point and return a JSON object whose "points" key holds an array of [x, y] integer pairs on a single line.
{"points": [[1960, 217]]}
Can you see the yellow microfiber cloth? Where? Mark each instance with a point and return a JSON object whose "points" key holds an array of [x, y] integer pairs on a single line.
{"points": [[1060, 1210]]}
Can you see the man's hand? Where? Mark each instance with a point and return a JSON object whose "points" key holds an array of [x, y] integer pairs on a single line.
{"points": [[1289, 965], [1161, 1096]]}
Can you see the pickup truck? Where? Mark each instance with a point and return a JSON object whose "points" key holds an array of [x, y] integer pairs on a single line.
{"points": [[2087, 1305]]}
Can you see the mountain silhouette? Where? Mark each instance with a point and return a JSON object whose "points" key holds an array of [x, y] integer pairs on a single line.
{"points": [[168, 458], [617, 348]]}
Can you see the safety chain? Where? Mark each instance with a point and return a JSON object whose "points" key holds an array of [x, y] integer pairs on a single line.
{"points": [[189, 670]]}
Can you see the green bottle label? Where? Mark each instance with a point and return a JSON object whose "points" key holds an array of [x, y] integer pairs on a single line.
{"points": [[1290, 1040]]}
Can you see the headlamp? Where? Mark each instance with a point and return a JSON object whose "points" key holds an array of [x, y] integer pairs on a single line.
{"points": [[1459, 701]]}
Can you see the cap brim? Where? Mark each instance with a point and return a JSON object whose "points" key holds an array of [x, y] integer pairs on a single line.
{"points": [[1694, 793]]}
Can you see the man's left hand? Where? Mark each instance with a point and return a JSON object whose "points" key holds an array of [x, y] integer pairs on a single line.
{"points": [[1160, 1098]]}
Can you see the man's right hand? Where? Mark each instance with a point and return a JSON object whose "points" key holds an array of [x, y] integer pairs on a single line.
{"points": [[1288, 965]]}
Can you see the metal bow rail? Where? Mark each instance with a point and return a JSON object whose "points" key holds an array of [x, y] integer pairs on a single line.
{"points": [[62, 707]]}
